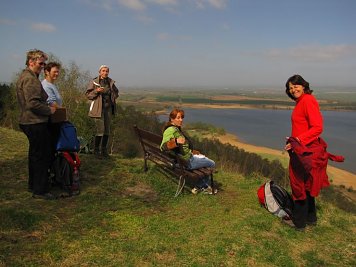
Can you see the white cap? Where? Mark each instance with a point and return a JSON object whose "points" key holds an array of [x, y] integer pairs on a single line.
{"points": [[103, 66]]}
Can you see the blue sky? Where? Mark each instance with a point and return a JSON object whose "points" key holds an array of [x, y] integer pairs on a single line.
{"points": [[179, 43]]}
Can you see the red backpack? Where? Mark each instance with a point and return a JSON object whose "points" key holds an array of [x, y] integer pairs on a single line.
{"points": [[66, 167], [275, 199]]}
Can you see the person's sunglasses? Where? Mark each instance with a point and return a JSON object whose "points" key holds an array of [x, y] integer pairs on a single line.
{"points": [[41, 63]]}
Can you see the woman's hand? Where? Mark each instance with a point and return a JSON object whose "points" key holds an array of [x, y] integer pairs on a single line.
{"points": [[53, 109], [180, 140], [288, 146], [99, 89]]}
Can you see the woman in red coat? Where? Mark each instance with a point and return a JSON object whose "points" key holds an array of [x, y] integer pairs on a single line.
{"points": [[307, 151]]}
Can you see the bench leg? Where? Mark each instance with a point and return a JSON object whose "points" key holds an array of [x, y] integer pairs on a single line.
{"points": [[212, 183], [145, 167], [180, 186]]}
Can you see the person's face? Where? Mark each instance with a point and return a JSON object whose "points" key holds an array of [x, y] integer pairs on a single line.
{"points": [[37, 65], [296, 90], [53, 73], [104, 73], [178, 121]]}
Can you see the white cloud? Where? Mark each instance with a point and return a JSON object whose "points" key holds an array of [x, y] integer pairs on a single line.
{"points": [[7, 21], [163, 36], [136, 5], [314, 53], [218, 3], [170, 37], [163, 2], [43, 27], [201, 4], [145, 19], [171, 6]]}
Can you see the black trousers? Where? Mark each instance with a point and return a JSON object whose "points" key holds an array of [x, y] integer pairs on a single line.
{"points": [[54, 131], [304, 211], [39, 156]]}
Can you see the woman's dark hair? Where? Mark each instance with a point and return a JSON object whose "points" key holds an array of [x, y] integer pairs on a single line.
{"points": [[51, 65], [298, 80]]}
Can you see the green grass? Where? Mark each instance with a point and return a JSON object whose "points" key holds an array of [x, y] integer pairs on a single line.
{"points": [[125, 217]]}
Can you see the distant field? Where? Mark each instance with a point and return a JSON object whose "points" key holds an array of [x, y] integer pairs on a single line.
{"points": [[157, 99]]}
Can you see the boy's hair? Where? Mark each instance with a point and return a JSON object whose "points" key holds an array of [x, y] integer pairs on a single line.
{"points": [[35, 54], [51, 65]]}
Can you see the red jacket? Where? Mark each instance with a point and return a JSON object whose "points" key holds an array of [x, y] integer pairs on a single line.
{"points": [[307, 122], [307, 167], [308, 157]]}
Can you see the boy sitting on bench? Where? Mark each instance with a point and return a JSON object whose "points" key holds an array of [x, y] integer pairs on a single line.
{"points": [[175, 140]]}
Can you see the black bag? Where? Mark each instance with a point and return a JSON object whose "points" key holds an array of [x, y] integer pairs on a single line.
{"points": [[66, 169]]}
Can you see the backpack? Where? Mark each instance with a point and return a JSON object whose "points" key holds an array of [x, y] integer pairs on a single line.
{"points": [[66, 170], [275, 199], [68, 140]]}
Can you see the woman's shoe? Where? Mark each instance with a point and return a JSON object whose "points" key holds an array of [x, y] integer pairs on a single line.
{"points": [[292, 225], [311, 223]]}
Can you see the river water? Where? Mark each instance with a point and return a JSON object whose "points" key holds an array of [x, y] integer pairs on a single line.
{"points": [[269, 128]]}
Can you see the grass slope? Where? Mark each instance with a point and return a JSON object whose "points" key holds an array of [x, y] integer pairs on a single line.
{"points": [[125, 217]]}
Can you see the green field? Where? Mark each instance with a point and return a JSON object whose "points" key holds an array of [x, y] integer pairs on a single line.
{"points": [[330, 99]]}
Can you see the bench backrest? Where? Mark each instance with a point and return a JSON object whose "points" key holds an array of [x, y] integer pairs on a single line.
{"points": [[148, 136], [151, 143]]}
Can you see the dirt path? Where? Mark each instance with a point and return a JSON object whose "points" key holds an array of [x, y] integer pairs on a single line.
{"points": [[338, 176]]}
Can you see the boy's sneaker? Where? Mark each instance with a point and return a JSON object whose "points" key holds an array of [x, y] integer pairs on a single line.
{"points": [[195, 190], [209, 190]]}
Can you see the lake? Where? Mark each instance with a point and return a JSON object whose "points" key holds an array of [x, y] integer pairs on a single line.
{"points": [[269, 128]]}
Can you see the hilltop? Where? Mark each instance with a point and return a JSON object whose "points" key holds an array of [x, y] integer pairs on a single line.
{"points": [[125, 217]]}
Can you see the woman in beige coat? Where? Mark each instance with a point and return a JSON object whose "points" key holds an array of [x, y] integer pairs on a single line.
{"points": [[103, 92]]}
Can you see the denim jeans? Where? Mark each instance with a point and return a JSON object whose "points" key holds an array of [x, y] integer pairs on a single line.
{"points": [[197, 162]]}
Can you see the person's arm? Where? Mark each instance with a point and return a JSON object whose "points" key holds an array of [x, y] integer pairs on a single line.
{"points": [[315, 121], [33, 95], [92, 92], [170, 139], [52, 98], [115, 91]]}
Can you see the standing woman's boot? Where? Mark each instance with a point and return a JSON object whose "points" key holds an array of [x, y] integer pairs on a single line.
{"points": [[97, 142], [104, 149]]}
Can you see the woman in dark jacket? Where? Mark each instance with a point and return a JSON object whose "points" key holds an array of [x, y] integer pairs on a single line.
{"points": [[103, 92]]}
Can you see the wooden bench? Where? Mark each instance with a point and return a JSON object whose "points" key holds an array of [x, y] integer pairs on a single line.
{"points": [[172, 165]]}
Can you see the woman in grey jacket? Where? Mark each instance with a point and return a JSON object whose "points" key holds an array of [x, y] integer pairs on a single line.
{"points": [[103, 92], [34, 115]]}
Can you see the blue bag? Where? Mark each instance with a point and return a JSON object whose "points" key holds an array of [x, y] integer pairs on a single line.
{"points": [[68, 140]]}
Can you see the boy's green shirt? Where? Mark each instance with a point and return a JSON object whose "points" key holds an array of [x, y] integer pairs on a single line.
{"points": [[174, 132]]}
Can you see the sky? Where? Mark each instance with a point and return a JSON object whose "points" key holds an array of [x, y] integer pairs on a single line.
{"points": [[187, 43]]}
